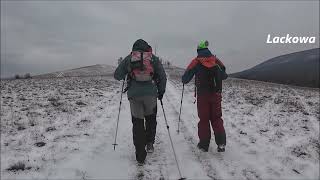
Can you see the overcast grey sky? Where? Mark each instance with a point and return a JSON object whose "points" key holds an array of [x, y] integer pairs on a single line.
{"points": [[40, 36]]}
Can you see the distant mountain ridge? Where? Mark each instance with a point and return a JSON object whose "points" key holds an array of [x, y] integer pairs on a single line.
{"points": [[298, 68], [94, 70]]}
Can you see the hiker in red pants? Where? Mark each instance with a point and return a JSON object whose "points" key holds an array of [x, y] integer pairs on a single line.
{"points": [[209, 73]]}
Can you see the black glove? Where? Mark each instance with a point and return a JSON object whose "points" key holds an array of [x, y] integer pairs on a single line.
{"points": [[160, 96]]}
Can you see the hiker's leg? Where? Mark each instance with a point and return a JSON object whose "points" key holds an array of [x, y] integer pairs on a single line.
{"points": [[138, 129], [216, 119], [204, 132], [150, 116]]}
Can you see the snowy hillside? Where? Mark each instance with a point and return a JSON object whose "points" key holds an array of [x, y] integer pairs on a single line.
{"points": [[299, 68], [63, 128], [95, 70]]}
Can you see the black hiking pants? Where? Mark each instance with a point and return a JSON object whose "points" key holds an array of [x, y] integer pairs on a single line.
{"points": [[143, 127], [144, 131]]}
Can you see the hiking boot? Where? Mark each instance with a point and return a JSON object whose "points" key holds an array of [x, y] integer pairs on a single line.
{"points": [[141, 156], [221, 148], [140, 163], [203, 148], [150, 148], [203, 145]]}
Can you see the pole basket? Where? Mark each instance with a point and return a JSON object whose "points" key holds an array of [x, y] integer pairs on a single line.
{"points": [[114, 146]]}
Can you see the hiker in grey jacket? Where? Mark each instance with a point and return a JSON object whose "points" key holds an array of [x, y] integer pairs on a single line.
{"points": [[146, 80]]}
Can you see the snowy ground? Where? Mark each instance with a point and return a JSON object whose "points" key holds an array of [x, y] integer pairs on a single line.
{"points": [[64, 129]]}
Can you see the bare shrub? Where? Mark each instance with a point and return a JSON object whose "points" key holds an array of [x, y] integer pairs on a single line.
{"points": [[18, 166], [27, 76], [17, 76]]}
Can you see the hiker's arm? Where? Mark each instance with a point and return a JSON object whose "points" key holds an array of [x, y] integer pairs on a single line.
{"points": [[122, 69], [161, 77], [190, 72]]}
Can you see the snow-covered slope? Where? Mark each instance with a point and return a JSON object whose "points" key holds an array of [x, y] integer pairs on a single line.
{"points": [[68, 132], [299, 68], [94, 70]]}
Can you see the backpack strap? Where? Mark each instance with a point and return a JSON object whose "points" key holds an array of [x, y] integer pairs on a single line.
{"points": [[195, 91], [153, 66]]}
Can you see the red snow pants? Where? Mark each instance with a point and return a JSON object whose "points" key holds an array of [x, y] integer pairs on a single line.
{"points": [[209, 111]]}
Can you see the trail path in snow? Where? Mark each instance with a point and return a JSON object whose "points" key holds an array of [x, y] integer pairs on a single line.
{"points": [[272, 133], [103, 162]]}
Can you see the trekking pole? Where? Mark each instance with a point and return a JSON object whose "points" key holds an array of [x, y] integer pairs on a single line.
{"points": [[115, 138], [180, 109], [174, 152]]}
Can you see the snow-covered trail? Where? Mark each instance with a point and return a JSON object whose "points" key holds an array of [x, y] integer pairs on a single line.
{"points": [[79, 144], [121, 164], [272, 132], [102, 162]]}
